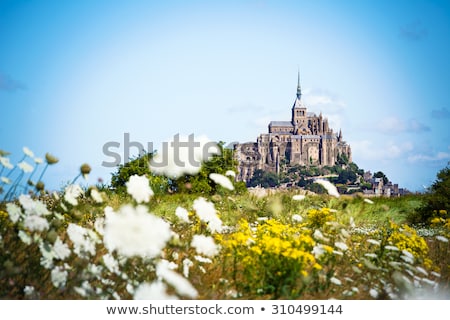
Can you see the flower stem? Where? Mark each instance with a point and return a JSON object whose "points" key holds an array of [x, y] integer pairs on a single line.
{"points": [[42, 173], [76, 178]]}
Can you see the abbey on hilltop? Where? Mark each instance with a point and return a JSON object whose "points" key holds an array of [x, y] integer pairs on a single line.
{"points": [[305, 140]]}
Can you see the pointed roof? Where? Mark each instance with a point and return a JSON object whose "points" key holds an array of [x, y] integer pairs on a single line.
{"points": [[299, 88], [298, 100]]}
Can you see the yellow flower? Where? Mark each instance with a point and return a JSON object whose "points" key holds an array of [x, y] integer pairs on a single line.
{"points": [[436, 220]]}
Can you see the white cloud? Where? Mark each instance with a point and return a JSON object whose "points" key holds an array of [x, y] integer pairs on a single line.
{"points": [[331, 106], [336, 122], [395, 151], [394, 124], [439, 156], [323, 100], [245, 108], [367, 150]]}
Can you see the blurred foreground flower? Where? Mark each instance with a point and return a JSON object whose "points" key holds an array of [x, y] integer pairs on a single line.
{"points": [[28, 152], [4, 153], [138, 187], [85, 169], [230, 173], [331, 188], [135, 232], [204, 245], [25, 167], [153, 291], [6, 163], [50, 159], [183, 155], [182, 214], [207, 213], [181, 285], [71, 194], [221, 180]]}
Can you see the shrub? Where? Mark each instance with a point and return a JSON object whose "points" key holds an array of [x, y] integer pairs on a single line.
{"points": [[436, 203]]}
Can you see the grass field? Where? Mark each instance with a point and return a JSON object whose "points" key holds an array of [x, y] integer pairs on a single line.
{"points": [[85, 244]]}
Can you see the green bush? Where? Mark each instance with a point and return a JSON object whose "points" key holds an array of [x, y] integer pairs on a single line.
{"points": [[436, 200], [199, 183]]}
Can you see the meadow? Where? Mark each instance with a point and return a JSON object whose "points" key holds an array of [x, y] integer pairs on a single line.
{"points": [[92, 242]]}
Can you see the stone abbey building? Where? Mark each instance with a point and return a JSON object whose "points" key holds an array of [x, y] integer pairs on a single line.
{"points": [[305, 140]]}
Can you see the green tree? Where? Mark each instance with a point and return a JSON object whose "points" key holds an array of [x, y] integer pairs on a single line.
{"points": [[199, 183], [342, 159], [346, 177], [380, 174], [436, 200], [264, 179], [139, 166], [302, 182], [316, 188]]}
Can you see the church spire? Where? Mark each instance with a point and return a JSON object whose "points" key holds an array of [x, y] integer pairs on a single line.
{"points": [[299, 89]]}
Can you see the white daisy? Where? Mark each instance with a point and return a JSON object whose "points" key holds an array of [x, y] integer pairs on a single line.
{"points": [[298, 197], [203, 259], [181, 285], [6, 163], [373, 241], [139, 188], [59, 277], [187, 264], [24, 237], [318, 251], [29, 290], [182, 214], [28, 152], [96, 196], [331, 188], [71, 193], [335, 281], [373, 293], [14, 212], [111, 264], [230, 173], [207, 213], [136, 232], [5, 180], [183, 155], [35, 223], [152, 291], [61, 250], [204, 245], [341, 245], [25, 166], [221, 180], [83, 241]]}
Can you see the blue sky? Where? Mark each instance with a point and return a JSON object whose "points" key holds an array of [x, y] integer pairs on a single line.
{"points": [[75, 75]]}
